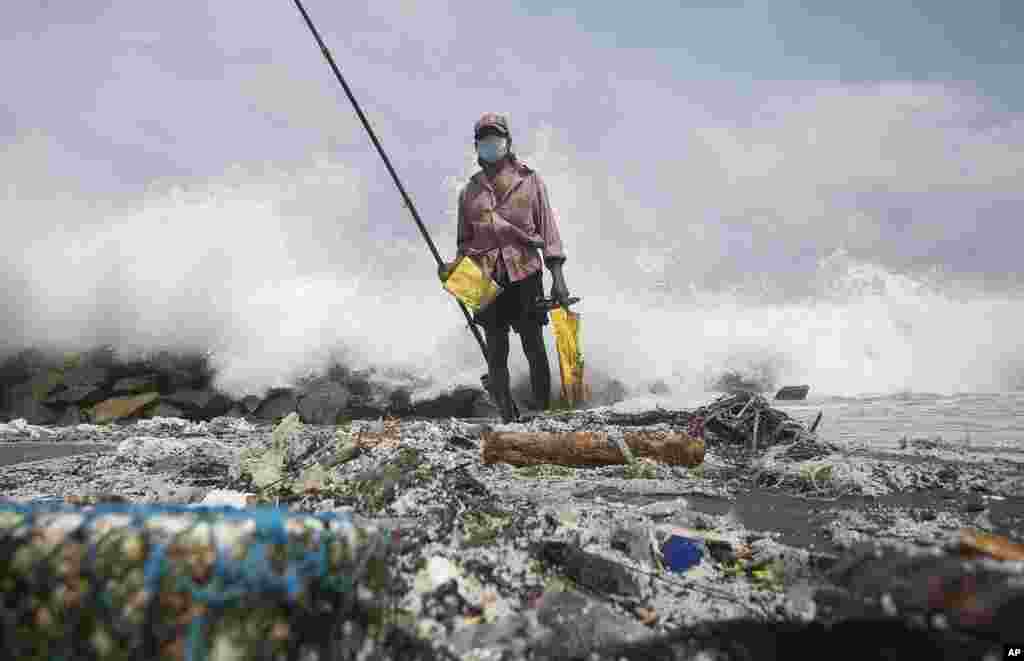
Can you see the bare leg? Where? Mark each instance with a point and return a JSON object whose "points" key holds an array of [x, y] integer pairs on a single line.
{"points": [[532, 337]]}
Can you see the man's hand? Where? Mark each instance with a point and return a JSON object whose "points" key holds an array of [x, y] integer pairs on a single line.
{"points": [[559, 291]]}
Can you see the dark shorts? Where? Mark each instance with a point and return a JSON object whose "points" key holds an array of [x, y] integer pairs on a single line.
{"points": [[516, 306]]}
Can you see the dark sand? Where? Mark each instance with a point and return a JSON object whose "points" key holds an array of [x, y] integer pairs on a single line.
{"points": [[21, 451]]}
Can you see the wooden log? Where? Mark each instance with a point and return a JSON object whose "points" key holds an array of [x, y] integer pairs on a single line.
{"points": [[586, 448]]}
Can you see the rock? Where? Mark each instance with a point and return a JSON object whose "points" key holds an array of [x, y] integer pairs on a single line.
{"points": [[85, 395], [121, 407], [277, 404], [250, 403], [86, 376], [509, 633], [483, 407], [579, 626], [199, 403], [459, 403], [164, 410], [132, 385], [236, 411], [792, 393], [322, 403], [589, 570], [400, 402], [71, 416], [791, 560], [659, 387], [635, 541], [665, 508], [21, 366], [986, 598], [178, 372], [22, 402]]}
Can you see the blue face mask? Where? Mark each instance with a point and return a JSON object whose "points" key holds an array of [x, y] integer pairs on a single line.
{"points": [[492, 149]]}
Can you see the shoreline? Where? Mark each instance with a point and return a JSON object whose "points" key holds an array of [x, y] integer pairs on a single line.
{"points": [[793, 516]]}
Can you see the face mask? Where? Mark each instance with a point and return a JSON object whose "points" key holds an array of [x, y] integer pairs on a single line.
{"points": [[492, 149]]}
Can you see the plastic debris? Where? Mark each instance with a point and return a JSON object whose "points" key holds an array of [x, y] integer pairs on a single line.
{"points": [[566, 327], [681, 553], [747, 418], [469, 284], [175, 582], [974, 543], [228, 498]]}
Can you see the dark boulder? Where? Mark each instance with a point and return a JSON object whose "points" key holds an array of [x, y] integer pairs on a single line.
{"points": [[792, 393], [459, 403], [203, 404], [131, 385], [322, 402], [277, 404]]}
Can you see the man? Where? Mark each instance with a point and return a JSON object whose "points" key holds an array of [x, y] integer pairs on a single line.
{"points": [[506, 226]]}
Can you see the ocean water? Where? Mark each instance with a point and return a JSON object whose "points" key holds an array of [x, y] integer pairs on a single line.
{"points": [[276, 271], [978, 422]]}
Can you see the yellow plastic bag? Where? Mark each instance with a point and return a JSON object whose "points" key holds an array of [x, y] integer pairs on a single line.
{"points": [[566, 326], [468, 284]]}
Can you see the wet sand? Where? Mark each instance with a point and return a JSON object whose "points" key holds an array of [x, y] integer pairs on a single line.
{"points": [[16, 453]]}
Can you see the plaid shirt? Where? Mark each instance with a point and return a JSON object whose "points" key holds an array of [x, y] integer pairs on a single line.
{"points": [[508, 236]]}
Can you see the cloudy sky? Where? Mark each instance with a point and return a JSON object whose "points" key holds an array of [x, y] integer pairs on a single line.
{"points": [[160, 158]]}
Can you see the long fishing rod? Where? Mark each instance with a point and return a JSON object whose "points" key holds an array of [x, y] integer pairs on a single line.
{"points": [[387, 162]]}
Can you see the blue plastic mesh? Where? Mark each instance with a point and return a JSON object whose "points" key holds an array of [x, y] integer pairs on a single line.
{"points": [[55, 600]]}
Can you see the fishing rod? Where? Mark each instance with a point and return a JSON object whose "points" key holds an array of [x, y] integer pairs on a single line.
{"points": [[394, 177]]}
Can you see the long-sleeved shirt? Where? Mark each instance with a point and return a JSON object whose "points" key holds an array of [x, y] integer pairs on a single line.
{"points": [[508, 236]]}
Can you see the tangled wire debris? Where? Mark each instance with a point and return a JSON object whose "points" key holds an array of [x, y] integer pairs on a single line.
{"points": [[747, 418]]}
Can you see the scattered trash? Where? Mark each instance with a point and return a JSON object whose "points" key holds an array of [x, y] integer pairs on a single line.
{"points": [[94, 499], [589, 570], [225, 497], [746, 418], [265, 465], [647, 616], [384, 433], [437, 572], [136, 565], [636, 541], [973, 544], [680, 553], [21, 428], [792, 393], [347, 451]]}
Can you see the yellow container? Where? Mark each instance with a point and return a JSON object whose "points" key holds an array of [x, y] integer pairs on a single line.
{"points": [[469, 284], [566, 327]]}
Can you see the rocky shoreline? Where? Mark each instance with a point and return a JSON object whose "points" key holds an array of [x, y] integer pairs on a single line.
{"points": [[493, 561]]}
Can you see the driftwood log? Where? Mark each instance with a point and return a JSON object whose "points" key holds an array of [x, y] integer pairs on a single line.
{"points": [[589, 448]]}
